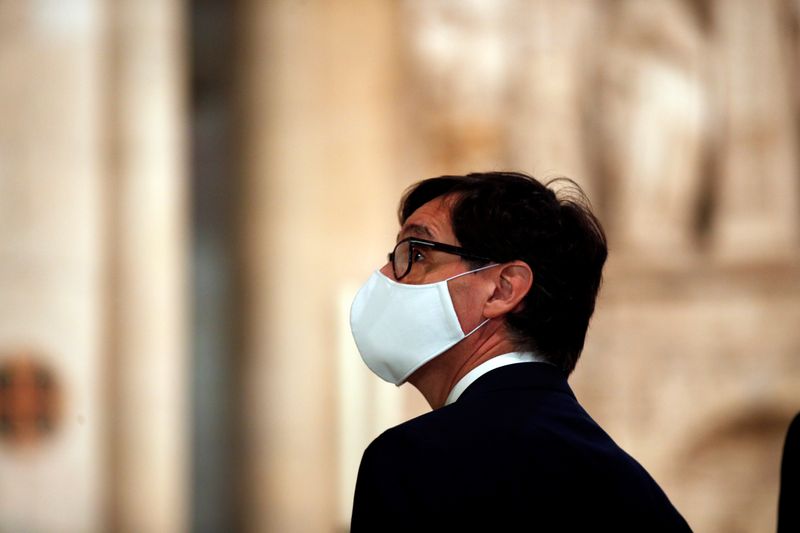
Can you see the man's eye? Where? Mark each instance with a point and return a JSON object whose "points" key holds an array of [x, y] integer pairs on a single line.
{"points": [[418, 256]]}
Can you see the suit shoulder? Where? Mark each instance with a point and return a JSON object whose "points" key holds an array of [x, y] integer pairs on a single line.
{"points": [[794, 428], [406, 432]]}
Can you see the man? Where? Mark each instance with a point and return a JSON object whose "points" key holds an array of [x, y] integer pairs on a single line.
{"points": [[483, 306]]}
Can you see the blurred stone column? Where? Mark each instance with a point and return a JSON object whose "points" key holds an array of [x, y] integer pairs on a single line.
{"points": [[553, 79], [51, 257], [758, 194], [318, 212], [653, 107], [148, 285], [456, 86]]}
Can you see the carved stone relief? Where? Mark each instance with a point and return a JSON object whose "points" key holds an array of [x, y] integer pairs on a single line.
{"points": [[654, 112], [758, 192]]}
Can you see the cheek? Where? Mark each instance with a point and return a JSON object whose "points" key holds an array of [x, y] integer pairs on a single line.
{"points": [[468, 307], [387, 271]]}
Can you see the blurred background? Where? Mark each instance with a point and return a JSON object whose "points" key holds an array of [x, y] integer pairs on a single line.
{"points": [[192, 191]]}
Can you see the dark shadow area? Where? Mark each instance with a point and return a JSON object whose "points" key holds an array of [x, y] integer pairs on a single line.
{"points": [[214, 390]]}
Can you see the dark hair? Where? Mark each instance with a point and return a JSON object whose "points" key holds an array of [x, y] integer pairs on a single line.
{"points": [[510, 216]]}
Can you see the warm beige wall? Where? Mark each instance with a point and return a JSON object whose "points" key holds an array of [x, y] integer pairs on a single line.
{"points": [[92, 276], [51, 255]]}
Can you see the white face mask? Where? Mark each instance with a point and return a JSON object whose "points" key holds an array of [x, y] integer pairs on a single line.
{"points": [[399, 327]]}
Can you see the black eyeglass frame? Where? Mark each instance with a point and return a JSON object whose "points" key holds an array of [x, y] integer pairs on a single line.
{"points": [[433, 245]]}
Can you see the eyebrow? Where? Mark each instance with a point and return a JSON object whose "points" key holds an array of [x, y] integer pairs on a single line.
{"points": [[416, 230]]}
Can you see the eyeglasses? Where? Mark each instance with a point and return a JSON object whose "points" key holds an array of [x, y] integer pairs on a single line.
{"points": [[407, 252]]}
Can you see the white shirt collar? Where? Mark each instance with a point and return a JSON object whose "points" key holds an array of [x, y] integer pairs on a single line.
{"points": [[495, 362]]}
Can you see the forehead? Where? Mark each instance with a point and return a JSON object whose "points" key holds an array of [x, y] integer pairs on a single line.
{"points": [[431, 220]]}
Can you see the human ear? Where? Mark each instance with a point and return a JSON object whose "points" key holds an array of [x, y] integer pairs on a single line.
{"points": [[512, 282]]}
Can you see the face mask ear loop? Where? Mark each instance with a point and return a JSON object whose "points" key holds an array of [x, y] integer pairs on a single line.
{"points": [[476, 328], [473, 271]]}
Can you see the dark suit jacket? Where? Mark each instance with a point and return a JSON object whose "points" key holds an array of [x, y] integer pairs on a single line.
{"points": [[516, 452], [789, 503]]}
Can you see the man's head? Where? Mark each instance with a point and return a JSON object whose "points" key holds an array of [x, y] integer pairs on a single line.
{"points": [[509, 217]]}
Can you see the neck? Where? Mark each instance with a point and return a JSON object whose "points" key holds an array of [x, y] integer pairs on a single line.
{"points": [[437, 378]]}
